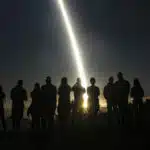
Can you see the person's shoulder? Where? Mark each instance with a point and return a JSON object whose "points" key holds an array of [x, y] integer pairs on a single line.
{"points": [[105, 86], [53, 87], [97, 87], [23, 89], [32, 91], [43, 87], [74, 87], [126, 82], [88, 88], [69, 87], [83, 88], [117, 82], [2, 94], [14, 88], [133, 88], [59, 87]]}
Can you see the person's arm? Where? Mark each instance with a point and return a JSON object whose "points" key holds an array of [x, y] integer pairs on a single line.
{"points": [[70, 89], [56, 91], [55, 95], [31, 94], [84, 90], [73, 88], [29, 110], [88, 91], [11, 94], [25, 95], [132, 93], [142, 92], [98, 91], [128, 88], [59, 91], [4, 96], [42, 88], [55, 103], [105, 93]]}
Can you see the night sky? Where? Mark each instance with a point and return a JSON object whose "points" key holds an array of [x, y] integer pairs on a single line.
{"points": [[113, 36]]}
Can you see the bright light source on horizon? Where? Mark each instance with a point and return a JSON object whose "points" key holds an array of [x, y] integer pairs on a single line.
{"points": [[85, 103], [75, 47]]}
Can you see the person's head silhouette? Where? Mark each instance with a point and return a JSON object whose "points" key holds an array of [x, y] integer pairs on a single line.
{"points": [[20, 83], [48, 80], [64, 81], [137, 82], [120, 76], [92, 81], [111, 80], [36, 86], [78, 81]]}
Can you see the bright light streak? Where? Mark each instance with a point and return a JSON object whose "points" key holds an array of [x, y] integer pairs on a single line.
{"points": [[75, 47]]}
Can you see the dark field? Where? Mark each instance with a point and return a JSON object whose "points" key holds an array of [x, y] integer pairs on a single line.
{"points": [[83, 134]]}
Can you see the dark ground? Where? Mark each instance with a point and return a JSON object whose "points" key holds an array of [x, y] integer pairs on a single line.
{"points": [[85, 134]]}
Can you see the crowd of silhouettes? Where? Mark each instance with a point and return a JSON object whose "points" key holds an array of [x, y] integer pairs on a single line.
{"points": [[44, 101], [117, 95]]}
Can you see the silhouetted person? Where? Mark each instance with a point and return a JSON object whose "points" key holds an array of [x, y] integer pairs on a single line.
{"points": [[64, 100], [122, 89], [78, 97], [2, 115], [137, 93], [18, 96], [109, 96], [49, 93], [93, 97], [35, 107]]}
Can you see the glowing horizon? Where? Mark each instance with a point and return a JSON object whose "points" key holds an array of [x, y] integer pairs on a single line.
{"points": [[75, 47]]}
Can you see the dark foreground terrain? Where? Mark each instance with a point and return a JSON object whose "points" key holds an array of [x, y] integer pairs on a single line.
{"points": [[85, 134]]}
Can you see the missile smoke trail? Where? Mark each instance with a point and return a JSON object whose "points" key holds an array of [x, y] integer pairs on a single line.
{"points": [[75, 47]]}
